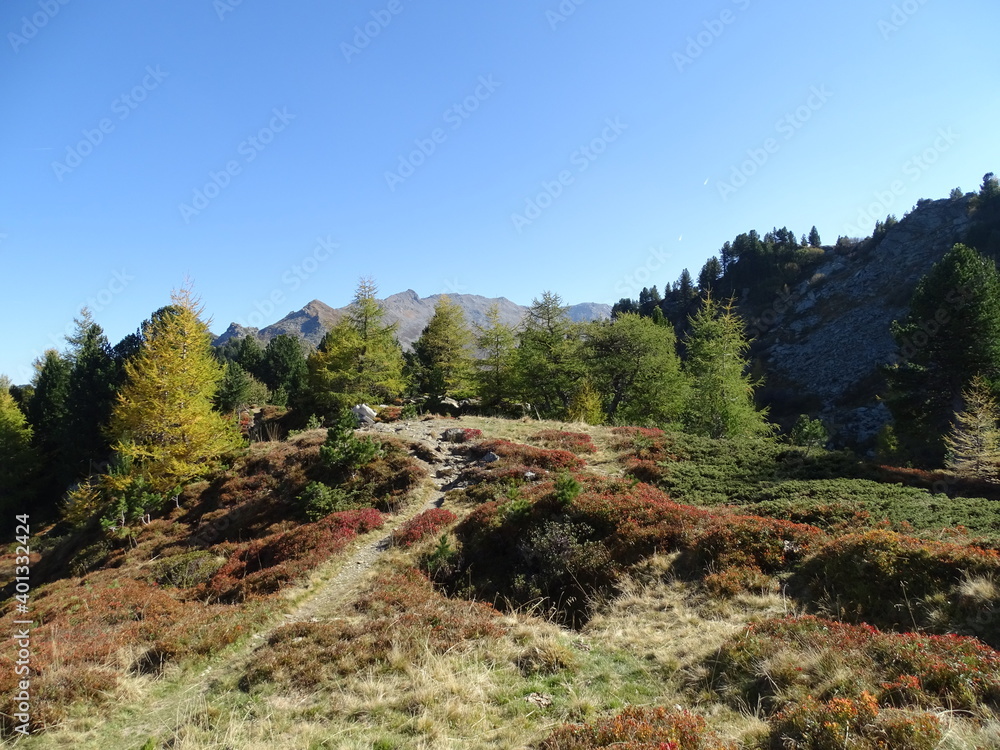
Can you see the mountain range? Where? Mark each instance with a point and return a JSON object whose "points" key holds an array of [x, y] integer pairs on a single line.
{"points": [[408, 310]]}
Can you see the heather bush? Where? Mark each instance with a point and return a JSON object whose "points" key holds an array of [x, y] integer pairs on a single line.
{"points": [[788, 660], [574, 442], [423, 525], [639, 729], [897, 581]]}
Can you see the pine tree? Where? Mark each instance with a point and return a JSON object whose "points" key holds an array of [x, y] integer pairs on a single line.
{"points": [[234, 388], [634, 363], [47, 408], [950, 335], [709, 275], [90, 397], [18, 457], [359, 359], [974, 441], [283, 368], [249, 355], [164, 426], [548, 361], [722, 396], [496, 374], [814, 240], [442, 361]]}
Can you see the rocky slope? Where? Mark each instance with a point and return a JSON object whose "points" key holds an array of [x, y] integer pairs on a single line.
{"points": [[408, 310], [823, 342]]}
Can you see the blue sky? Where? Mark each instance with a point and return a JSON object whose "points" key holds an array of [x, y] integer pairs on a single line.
{"points": [[276, 152]]}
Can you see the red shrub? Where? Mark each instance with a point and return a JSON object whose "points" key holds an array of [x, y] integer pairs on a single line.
{"points": [[574, 442], [427, 523], [527, 455], [263, 566]]}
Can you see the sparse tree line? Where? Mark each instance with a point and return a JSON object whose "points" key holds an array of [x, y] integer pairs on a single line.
{"points": [[123, 428]]}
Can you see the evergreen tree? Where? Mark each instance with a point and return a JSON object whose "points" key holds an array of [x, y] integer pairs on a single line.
{"points": [[165, 429], [496, 375], [442, 361], [634, 363], [283, 368], [47, 408], [974, 441], [548, 362], [359, 359], [709, 275], [950, 335], [814, 240], [722, 395], [90, 398], [249, 355], [18, 457], [234, 388]]}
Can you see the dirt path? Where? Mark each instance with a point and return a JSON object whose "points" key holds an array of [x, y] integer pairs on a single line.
{"points": [[328, 598]]}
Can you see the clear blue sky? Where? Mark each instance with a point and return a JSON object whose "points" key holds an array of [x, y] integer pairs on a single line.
{"points": [[634, 114]]}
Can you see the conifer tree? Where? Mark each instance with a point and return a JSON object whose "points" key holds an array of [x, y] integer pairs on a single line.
{"points": [[548, 361], [359, 359], [633, 361], [442, 361], [18, 457], [249, 355], [90, 397], [47, 408], [496, 368], [814, 240], [722, 395], [974, 441], [164, 426], [234, 388], [950, 335], [283, 368]]}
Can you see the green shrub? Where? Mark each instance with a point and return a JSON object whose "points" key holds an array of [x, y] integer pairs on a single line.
{"points": [[319, 500], [187, 569]]}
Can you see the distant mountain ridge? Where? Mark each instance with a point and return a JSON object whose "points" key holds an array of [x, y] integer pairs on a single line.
{"points": [[408, 310]]}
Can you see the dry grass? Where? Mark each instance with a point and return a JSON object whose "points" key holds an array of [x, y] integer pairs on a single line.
{"points": [[432, 679]]}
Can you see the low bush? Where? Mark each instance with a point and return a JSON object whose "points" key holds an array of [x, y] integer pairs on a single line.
{"points": [[774, 662], [832, 724], [422, 526], [639, 729], [897, 581], [263, 566], [574, 442], [402, 614]]}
